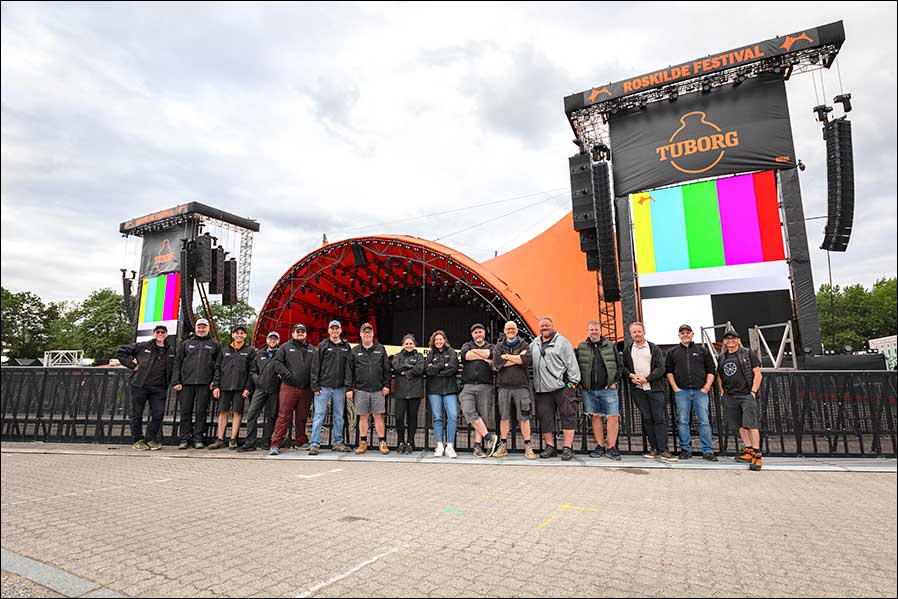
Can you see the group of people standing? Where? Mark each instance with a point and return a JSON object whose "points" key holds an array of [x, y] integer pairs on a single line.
{"points": [[291, 380]]}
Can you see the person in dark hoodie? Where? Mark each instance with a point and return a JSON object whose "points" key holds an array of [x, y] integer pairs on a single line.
{"points": [[408, 369], [442, 392], [293, 363], [329, 382], [368, 384], [232, 385], [266, 387], [511, 359], [477, 389], [192, 379], [152, 363]]}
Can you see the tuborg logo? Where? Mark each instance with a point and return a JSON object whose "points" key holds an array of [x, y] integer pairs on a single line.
{"points": [[698, 145]]}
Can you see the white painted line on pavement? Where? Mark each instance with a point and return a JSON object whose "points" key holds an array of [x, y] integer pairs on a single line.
{"points": [[86, 492], [314, 589], [319, 474]]}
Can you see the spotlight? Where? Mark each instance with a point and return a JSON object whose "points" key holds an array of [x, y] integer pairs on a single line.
{"points": [[815, 58], [845, 101], [706, 86], [740, 77], [801, 166], [674, 94]]}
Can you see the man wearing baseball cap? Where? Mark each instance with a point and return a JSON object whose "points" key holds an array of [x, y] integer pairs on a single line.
{"points": [[690, 372], [266, 386], [192, 379], [739, 378], [293, 363], [329, 383], [368, 384], [232, 385], [477, 390]]}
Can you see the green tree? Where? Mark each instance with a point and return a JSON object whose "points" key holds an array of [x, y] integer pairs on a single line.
{"points": [[63, 331], [228, 317], [25, 324], [102, 324], [859, 314]]}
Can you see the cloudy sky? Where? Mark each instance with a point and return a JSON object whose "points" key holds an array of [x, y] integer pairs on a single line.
{"points": [[343, 119]]}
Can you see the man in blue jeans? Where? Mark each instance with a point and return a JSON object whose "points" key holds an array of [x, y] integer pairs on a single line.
{"points": [[690, 371], [329, 382], [598, 362]]}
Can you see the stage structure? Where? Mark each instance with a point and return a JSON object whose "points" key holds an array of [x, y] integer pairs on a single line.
{"points": [[400, 284], [707, 205], [184, 248]]}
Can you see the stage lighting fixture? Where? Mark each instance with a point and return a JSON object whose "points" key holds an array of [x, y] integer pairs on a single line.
{"points": [[706, 86], [643, 102], [822, 112], [845, 101], [801, 166], [673, 95], [740, 77], [815, 58]]}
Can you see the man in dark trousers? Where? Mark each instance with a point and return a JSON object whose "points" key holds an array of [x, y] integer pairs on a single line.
{"points": [[266, 385], [232, 386], [598, 362], [152, 363], [293, 363], [329, 383], [368, 384], [192, 379], [643, 367], [690, 372], [477, 390], [739, 378]]}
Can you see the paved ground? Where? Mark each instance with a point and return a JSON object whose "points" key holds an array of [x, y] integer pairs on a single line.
{"points": [[166, 524]]}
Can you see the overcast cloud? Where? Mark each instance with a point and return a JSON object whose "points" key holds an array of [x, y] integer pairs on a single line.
{"points": [[339, 118]]}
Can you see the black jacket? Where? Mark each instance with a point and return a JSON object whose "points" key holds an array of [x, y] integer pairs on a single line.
{"points": [[195, 361], [262, 372], [513, 375], [232, 368], [329, 366], [368, 369], [294, 362], [476, 372], [143, 354], [655, 377], [408, 366], [690, 365], [442, 371]]}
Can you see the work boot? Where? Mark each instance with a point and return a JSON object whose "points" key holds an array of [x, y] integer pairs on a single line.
{"points": [[218, 444], [362, 448], [567, 454], [382, 446], [548, 452], [745, 455], [313, 450], [490, 443], [154, 445], [232, 445], [528, 452], [501, 450], [755, 462]]}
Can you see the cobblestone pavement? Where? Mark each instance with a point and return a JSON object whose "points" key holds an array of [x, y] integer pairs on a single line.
{"points": [[153, 525], [16, 586]]}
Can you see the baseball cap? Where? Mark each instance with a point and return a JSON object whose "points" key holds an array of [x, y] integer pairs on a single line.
{"points": [[274, 334], [476, 326], [366, 327], [334, 323], [684, 327], [239, 327], [202, 321], [730, 332], [160, 327], [299, 327]]}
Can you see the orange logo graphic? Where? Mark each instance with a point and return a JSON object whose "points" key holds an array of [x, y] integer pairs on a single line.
{"points": [[697, 145], [787, 45], [595, 93], [642, 200]]}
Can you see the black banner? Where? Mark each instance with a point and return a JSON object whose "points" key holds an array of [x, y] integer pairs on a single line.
{"points": [[730, 130], [161, 252]]}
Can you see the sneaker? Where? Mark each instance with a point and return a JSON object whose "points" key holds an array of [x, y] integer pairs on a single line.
{"points": [[528, 452], [755, 462], [438, 452], [140, 445], [745, 455], [501, 450], [154, 445], [362, 448], [490, 443], [342, 448], [232, 445], [665, 456], [247, 447], [304, 447], [409, 449], [685, 454], [313, 450], [598, 452], [198, 445], [567, 454], [274, 451], [709, 457], [548, 452], [384, 449], [478, 452], [183, 445], [650, 455], [613, 453], [450, 451], [218, 444]]}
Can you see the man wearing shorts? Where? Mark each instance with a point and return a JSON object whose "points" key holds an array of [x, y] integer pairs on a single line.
{"points": [[597, 359], [477, 389], [739, 378], [555, 373], [232, 385], [368, 384], [511, 359]]}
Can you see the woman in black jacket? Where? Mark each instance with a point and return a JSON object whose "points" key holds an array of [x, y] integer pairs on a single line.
{"points": [[408, 368], [442, 392]]}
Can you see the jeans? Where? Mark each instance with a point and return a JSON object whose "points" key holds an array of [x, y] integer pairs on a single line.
{"points": [[338, 399], [139, 398], [687, 399], [437, 404]]}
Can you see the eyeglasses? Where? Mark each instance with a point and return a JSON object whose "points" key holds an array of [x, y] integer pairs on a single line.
{"points": [[160, 332]]}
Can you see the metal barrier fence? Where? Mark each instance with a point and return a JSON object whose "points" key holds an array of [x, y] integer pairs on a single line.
{"points": [[804, 413]]}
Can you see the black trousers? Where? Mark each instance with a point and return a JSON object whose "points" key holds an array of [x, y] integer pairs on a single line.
{"points": [[406, 413], [139, 398], [652, 406], [262, 401], [193, 396]]}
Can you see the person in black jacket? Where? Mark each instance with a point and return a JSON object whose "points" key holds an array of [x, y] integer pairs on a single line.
{"points": [[329, 382], [152, 363], [739, 379], [690, 372], [511, 359], [477, 389], [643, 367], [231, 385], [266, 386], [192, 379], [293, 364], [408, 368], [442, 392], [368, 384]]}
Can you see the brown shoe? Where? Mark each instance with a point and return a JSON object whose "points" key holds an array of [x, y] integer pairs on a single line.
{"points": [[383, 448], [502, 450], [362, 448], [666, 456], [528, 452], [650, 455]]}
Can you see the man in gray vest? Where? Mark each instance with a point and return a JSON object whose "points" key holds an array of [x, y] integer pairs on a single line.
{"points": [[739, 378], [597, 359]]}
